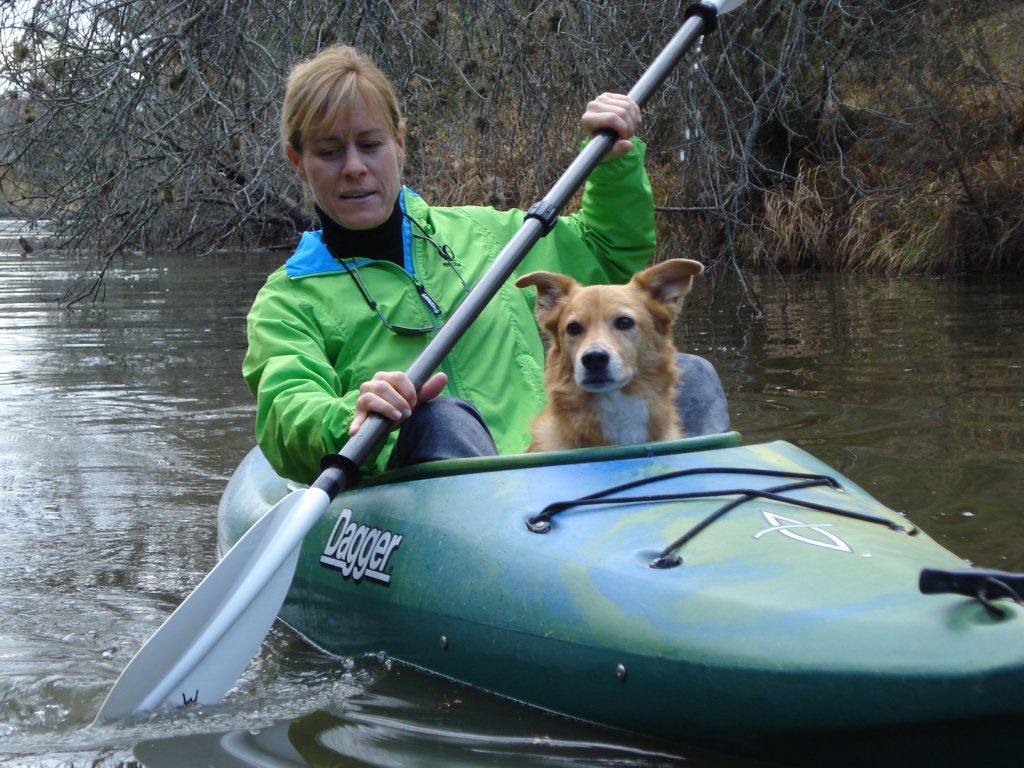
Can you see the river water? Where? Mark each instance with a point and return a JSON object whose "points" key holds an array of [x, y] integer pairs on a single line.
{"points": [[121, 421]]}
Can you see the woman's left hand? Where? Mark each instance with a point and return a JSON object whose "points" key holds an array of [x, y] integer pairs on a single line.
{"points": [[615, 112]]}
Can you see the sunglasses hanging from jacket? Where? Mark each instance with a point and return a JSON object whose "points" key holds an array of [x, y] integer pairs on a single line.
{"points": [[449, 260]]}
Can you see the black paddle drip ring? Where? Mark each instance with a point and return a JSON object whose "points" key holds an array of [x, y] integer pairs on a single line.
{"points": [[708, 12], [351, 475], [545, 213]]}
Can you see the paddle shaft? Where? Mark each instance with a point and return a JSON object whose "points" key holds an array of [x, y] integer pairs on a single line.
{"points": [[539, 220]]}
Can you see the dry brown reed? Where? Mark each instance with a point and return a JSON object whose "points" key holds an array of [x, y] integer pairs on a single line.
{"points": [[959, 217]]}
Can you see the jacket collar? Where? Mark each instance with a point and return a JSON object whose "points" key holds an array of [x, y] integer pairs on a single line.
{"points": [[312, 258]]}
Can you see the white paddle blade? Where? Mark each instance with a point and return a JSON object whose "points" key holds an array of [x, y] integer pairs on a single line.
{"points": [[724, 6], [201, 650]]}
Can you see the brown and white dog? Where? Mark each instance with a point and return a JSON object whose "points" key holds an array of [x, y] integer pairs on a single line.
{"points": [[611, 372]]}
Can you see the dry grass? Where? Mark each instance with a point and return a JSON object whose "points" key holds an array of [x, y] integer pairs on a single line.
{"points": [[933, 228]]}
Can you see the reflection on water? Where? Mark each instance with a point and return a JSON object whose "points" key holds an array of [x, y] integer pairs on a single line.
{"points": [[404, 718], [120, 424]]}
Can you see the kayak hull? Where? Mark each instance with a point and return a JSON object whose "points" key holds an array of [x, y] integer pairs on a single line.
{"points": [[792, 605]]}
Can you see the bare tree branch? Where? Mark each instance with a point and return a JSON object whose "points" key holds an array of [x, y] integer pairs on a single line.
{"points": [[794, 139]]}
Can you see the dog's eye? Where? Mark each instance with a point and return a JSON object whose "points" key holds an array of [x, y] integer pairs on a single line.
{"points": [[624, 322], [573, 328]]}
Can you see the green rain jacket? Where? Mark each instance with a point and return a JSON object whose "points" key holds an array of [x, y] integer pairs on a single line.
{"points": [[313, 338]]}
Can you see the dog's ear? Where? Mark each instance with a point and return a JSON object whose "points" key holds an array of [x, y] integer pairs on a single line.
{"points": [[552, 289], [669, 281]]}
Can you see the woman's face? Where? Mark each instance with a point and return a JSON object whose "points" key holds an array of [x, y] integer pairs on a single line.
{"points": [[354, 167]]}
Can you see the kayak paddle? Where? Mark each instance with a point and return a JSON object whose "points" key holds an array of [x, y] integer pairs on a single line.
{"points": [[201, 650]]}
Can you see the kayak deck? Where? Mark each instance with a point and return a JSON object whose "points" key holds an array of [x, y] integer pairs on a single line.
{"points": [[692, 589]]}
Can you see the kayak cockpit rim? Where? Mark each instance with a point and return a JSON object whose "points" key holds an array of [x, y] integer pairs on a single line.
{"points": [[576, 456]]}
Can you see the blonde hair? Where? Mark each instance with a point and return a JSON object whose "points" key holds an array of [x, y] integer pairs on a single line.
{"points": [[321, 88]]}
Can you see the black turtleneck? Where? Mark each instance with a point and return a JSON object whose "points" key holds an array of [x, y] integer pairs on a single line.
{"points": [[381, 242]]}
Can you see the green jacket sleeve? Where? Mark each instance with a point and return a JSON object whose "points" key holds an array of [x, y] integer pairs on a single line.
{"points": [[615, 223], [299, 415]]}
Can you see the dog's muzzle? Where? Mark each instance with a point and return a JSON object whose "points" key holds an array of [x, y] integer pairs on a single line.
{"points": [[596, 371]]}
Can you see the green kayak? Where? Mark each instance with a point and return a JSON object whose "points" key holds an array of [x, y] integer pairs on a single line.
{"points": [[699, 589]]}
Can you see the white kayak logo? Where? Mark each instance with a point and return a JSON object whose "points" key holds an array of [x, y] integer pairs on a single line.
{"points": [[359, 551], [788, 527]]}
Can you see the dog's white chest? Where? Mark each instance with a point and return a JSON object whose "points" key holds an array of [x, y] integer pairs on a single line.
{"points": [[624, 418]]}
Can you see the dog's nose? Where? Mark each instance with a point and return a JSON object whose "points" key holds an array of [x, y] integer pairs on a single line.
{"points": [[595, 360]]}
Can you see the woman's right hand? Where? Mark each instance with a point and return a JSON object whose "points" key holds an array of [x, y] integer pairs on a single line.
{"points": [[617, 113], [392, 395]]}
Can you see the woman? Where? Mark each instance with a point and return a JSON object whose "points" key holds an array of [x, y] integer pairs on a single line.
{"points": [[332, 330]]}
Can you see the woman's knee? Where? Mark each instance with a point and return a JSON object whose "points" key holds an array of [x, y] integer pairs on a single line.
{"points": [[442, 428]]}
